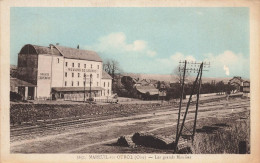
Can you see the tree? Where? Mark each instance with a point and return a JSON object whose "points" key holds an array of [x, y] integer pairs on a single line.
{"points": [[112, 68], [220, 87], [177, 74], [177, 77]]}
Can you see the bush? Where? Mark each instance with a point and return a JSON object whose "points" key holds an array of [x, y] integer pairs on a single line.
{"points": [[15, 96], [223, 141]]}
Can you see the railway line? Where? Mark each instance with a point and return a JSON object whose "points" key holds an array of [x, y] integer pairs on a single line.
{"points": [[117, 116]]}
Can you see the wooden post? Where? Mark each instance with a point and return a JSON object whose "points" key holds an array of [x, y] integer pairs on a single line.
{"points": [[181, 97], [187, 108], [197, 105]]}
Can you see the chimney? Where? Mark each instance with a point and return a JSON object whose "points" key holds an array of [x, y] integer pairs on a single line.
{"points": [[51, 46], [78, 47]]}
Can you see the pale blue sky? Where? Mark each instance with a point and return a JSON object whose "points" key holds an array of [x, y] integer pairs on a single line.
{"points": [[143, 40]]}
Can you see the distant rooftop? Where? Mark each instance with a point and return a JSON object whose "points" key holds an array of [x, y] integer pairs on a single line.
{"points": [[105, 75]]}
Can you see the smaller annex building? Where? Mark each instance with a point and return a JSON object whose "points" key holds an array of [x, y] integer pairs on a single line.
{"points": [[23, 88], [62, 73]]}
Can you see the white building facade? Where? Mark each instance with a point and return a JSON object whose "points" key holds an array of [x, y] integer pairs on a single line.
{"points": [[63, 73]]}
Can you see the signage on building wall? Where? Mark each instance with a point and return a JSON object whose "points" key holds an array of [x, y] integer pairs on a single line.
{"points": [[82, 70], [44, 76]]}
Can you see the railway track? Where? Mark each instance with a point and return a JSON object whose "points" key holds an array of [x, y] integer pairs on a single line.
{"points": [[70, 124]]}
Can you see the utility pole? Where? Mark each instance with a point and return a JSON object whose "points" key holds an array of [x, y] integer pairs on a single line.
{"points": [[197, 105], [198, 80], [181, 96], [84, 87], [90, 86]]}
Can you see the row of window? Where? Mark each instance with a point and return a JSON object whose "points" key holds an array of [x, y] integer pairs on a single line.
{"points": [[72, 74], [72, 64], [78, 83]]}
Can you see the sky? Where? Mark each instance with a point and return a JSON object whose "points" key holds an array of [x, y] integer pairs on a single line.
{"points": [[142, 40]]}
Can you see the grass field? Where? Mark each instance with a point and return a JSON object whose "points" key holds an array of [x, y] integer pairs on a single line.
{"points": [[226, 139]]}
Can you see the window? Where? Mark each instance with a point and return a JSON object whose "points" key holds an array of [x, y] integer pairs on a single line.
{"points": [[97, 66], [58, 60], [78, 74], [104, 93], [78, 64], [97, 83], [97, 75], [72, 74], [107, 84], [65, 83], [108, 91], [65, 74], [104, 84], [78, 83], [84, 83], [91, 65], [72, 64], [66, 64], [85, 75], [72, 83], [84, 65]]}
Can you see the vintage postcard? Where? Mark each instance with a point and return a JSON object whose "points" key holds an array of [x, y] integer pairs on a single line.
{"points": [[130, 81]]}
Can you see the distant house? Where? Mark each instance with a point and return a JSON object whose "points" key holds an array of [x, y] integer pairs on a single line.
{"points": [[246, 88], [241, 85], [237, 81], [142, 88], [147, 92]]}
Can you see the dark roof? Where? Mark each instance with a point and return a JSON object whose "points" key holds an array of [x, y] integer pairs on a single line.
{"points": [[76, 89], [78, 53], [14, 82], [144, 89], [32, 49], [105, 75], [237, 77], [46, 50]]}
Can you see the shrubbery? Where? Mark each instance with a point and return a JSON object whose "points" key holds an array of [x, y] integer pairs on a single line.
{"points": [[15, 96]]}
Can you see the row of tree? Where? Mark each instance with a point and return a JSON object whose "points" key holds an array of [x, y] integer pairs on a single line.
{"points": [[174, 91]]}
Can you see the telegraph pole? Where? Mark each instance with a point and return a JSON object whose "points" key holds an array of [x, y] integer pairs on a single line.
{"points": [[90, 87], [197, 105], [198, 80], [181, 96], [84, 87]]}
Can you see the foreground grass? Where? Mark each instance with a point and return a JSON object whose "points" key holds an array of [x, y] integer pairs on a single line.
{"points": [[225, 139]]}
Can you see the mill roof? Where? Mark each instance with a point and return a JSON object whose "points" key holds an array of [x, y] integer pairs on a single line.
{"points": [[67, 52], [73, 53]]}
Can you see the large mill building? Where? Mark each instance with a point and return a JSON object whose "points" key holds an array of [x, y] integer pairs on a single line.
{"points": [[58, 72]]}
